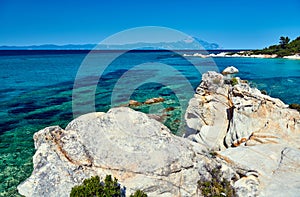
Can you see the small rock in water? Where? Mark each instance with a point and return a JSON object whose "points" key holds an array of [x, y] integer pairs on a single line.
{"points": [[230, 70], [169, 109]]}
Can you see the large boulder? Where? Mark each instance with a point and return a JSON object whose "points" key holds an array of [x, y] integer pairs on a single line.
{"points": [[139, 151]]}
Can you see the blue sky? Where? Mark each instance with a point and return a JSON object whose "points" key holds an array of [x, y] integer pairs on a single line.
{"points": [[231, 24]]}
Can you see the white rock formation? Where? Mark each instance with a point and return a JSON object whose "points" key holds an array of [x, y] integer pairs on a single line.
{"points": [[252, 138], [139, 151], [230, 70], [249, 129]]}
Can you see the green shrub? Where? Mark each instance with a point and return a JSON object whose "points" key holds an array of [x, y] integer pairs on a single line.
{"points": [[264, 92], [284, 48], [230, 53], [138, 193], [217, 186], [234, 81], [295, 106], [213, 154], [93, 187]]}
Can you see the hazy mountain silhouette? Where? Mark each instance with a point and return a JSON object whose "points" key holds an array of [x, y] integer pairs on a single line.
{"points": [[194, 44]]}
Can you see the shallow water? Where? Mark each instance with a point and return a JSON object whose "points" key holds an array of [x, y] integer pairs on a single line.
{"points": [[36, 91]]}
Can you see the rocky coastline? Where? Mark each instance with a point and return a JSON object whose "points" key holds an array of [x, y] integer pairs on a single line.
{"points": [[251, 138], [245, 54]]}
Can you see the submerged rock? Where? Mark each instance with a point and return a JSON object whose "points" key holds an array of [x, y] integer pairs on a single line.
{"points": [[134, 103], [154, 100]]}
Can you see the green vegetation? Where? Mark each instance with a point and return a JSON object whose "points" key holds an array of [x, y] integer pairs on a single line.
{"points": [[284, 41], [213, 154], [264, 92], [230, 53], [216, 187], [93, 187], [295, 106], [284, 48], [138, 193], [234, 81]]}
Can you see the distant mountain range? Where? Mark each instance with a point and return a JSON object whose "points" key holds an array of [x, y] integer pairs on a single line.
{"points": [[50, 47], [179, 45]]}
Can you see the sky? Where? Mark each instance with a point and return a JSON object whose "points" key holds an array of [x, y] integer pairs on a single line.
{"points": [[232, 24]]}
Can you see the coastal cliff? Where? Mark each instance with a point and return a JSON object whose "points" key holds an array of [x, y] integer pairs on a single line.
{"points": [[249, 129], [253, 139]]}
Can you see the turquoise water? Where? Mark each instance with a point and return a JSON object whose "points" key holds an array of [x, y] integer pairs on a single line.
{"points": [[36, 91]]}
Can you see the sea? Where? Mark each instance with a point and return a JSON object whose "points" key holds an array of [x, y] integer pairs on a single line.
{"points": [[40, 88]]}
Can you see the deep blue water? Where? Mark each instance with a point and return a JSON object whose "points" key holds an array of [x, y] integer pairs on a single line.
{"points": [[36, 91]]}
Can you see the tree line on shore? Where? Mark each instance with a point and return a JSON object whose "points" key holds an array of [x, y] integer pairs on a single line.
{"points": [[284, 48]]}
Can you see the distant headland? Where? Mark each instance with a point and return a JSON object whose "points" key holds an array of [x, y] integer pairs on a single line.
{"points": [[285, 49]]}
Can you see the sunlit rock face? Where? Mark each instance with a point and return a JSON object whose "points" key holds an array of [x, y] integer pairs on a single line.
{"points": [[249, 129]]}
